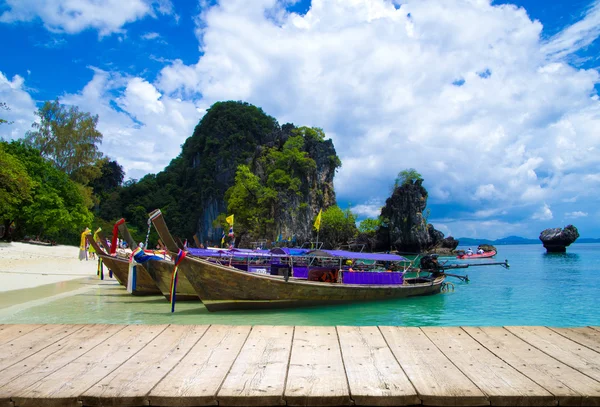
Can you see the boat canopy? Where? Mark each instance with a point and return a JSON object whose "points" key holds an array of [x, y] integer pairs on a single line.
{"points": [[363, 256], [285, 252], [244, 253]]}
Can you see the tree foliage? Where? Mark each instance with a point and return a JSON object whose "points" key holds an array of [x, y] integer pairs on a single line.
{"points": [[251, 202], [56, 208], [407, 176], [68, 138], [259, 198], [15, 185], [338, 227], [369, 225]]}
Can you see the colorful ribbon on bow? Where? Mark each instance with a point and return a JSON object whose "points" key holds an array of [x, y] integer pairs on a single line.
{"points": [[180, 256], [100, 272]]}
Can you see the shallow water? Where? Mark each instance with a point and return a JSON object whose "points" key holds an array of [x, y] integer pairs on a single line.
{"points": [[538, 289]]}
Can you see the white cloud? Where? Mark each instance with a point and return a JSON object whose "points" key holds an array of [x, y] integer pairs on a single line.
{"points": [[145, 130], [74, 16], [466, 92], [576, 214], [22, 107], [577, 36], [150, 36], [544, 213], [514, 133], [371, 209]]}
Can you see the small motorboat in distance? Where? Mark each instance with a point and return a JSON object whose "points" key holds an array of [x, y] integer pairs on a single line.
{"points": [[463, 255]]}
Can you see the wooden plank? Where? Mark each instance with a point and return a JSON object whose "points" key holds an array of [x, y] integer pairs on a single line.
{"points": [[257, 376], [197, 378], [565, 350], [436, 379], [374, 376], [11, 332], [316, 374], [130, 383], [48, 360], [568, 386], [503, 384], [63, 387], [32, 342], [585, 336]]}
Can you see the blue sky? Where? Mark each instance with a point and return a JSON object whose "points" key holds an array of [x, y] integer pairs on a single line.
{"points": [[496, 104]]}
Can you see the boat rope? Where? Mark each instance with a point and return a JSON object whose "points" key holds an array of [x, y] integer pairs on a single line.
{"points": [[446, 287], [148, 233]]}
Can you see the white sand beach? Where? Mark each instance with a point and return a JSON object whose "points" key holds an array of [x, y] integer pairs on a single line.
{"points": [[24, 265]]}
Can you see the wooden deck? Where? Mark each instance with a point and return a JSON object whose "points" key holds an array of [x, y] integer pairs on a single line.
{"points": [[196, 365]]}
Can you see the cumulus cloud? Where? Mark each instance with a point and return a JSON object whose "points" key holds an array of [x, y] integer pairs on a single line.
{"points": [[142, 128], [466, 92], [544, 213], [22, 107], [74, 16], [469, 93]]}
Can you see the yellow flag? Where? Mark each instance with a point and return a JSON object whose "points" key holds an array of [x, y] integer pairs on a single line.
{"points": [[229, 220], [318, 220]]}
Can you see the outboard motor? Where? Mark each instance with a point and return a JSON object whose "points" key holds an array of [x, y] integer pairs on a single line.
{"points": [[429, 262]]}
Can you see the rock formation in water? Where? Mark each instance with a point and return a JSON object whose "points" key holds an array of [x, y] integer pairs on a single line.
{"points": [[295, 166], [406, 229], [234, 133], [446, 246], [556, 240], [487, 248]]}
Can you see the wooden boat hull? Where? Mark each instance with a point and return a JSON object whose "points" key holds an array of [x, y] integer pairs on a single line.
{"points": [[161, 272], [485, 255], [225, 288], [120, 269]]}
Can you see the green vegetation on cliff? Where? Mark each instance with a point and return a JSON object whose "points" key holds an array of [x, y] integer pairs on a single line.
{"points": [[278, 185], [238, 160]]}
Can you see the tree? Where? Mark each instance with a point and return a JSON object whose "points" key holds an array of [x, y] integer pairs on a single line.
{"points": [[337, 226], [251, 202], [408, 176], [56, 208], [68, 138], [111, 176], [369, 225], [15, 186]]}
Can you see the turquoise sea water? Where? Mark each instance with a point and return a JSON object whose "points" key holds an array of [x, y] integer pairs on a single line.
{"points": [[539, 289]]}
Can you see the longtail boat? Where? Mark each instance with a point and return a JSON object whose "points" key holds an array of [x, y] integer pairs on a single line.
{"points": [[161, 271], [221, 287], [120, 269]]}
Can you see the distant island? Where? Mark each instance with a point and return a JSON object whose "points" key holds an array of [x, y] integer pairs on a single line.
{"points": [[467, 241]]}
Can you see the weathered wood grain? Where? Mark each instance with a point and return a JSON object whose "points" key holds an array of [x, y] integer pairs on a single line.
{"points": [[257, 377], [41, 364], [130, 383], [566, 384], [316, 374], [436, 379], [32, 342], [502, 383], [570, 353], [63, 387], [198, 376], [11, 332], [374, 376], [585, 336]]}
